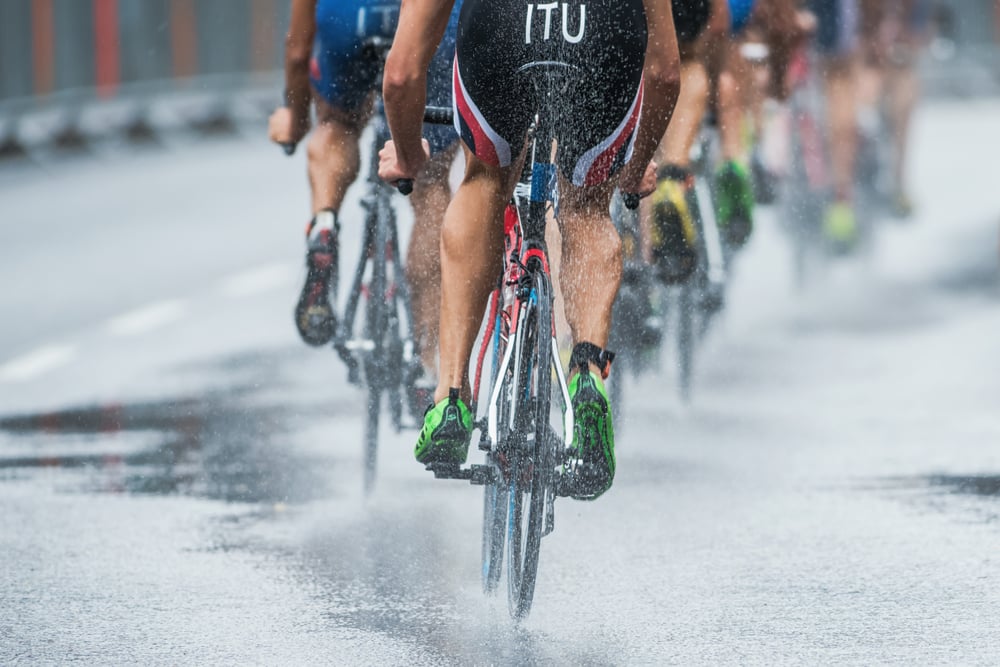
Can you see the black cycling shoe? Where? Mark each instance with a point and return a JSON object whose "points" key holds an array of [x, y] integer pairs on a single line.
{"points": [[314, 316]]}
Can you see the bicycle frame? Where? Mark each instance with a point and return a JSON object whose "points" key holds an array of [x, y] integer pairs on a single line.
{"points": [[385, 349]]}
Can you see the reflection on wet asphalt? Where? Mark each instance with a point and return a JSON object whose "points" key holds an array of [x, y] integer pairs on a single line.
{"points": [[978, 485], [216, 447]]}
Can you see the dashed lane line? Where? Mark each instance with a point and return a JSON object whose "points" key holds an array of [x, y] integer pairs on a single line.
{"points": [[257, 280], [147, 318], [35, 363]]}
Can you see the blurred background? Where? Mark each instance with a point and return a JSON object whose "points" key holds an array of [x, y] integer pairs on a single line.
{"points": [[180, 475], [59, 58]]}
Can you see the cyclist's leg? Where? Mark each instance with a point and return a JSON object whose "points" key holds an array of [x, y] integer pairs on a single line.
{"points": [[471, 250], [734, 200], [667, 224], [342, 83], [837, 31], [903, 92], [430, 198], [590, 271], [334, 156]]}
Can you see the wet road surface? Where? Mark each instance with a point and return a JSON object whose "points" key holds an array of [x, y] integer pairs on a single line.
{"points": [[179, 477]]}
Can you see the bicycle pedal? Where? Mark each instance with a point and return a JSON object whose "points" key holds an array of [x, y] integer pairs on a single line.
{"points": [[485, 444], [449, 471]]}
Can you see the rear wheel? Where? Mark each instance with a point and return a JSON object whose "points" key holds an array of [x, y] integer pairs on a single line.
{"points": [[531, 459], [686, 338], [376, 326]]}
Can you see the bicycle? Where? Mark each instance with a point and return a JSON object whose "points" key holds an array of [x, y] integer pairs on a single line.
{"points": [[702, 294], [527, 464], [637, 321], [805, 191], [380, 351]]}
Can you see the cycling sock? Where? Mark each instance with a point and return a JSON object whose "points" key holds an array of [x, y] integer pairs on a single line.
{"points": [[586, 353]]}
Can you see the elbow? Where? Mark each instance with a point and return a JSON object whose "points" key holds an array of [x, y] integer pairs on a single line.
{"points": [[665, 79], [397, 78], [298, 52]]}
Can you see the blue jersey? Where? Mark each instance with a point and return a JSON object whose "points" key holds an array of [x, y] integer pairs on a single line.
{"points": [[344, 78], [740, 11]]}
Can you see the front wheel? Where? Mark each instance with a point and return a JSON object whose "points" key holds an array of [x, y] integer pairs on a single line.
{"points": [[494, 528], [685, 340]]}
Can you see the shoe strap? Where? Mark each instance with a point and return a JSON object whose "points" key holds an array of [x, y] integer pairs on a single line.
{"points": [[585, 354]]}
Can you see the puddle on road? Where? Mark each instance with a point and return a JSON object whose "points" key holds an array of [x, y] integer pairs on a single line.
{"points": [[977, 485], [214, 446], [974, 496]]}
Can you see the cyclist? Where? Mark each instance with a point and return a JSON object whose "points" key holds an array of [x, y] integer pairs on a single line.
{"points": [[325, 65], [598, 131], [836, 38], [740, 91], [894, 32], [701, 28]]}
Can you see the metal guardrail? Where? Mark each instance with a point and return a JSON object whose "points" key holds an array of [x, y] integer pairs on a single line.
{"points": [[61, 58], [211, 60]]}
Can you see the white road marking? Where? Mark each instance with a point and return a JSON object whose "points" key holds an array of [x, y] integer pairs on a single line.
{"points": [[36, 362], [146, 318], [257, 280]]}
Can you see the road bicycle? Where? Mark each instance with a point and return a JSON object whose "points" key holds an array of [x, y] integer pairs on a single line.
{"points": [[375, 337], [638, 314], [528, 464], [701, 296], [644, 309], [806, 185]]}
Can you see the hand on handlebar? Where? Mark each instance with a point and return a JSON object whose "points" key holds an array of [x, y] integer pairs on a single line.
{"points": [[633, 191], [392, 170], [284, 129]]}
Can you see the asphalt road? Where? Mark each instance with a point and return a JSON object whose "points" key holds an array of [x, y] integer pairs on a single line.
{"points": [[179, 476]]}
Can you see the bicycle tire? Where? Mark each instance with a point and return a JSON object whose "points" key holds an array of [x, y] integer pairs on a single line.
{"points": [[531, 466], [495, 491], [376, 324], [685, 339]]}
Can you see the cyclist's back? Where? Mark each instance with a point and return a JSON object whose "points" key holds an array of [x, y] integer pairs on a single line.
{"points": [[593, 51]]}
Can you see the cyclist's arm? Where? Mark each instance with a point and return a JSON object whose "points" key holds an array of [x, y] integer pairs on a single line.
{"points": [[662, 84], [298, 50], [422, 24]]}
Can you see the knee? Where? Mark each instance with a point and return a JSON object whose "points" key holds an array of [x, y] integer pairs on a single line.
{"points": [[727, 88], [452, 238]]}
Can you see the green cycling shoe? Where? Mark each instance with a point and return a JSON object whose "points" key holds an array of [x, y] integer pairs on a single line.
{"points": [[734, 202], [593, 436], [446, 433]]}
